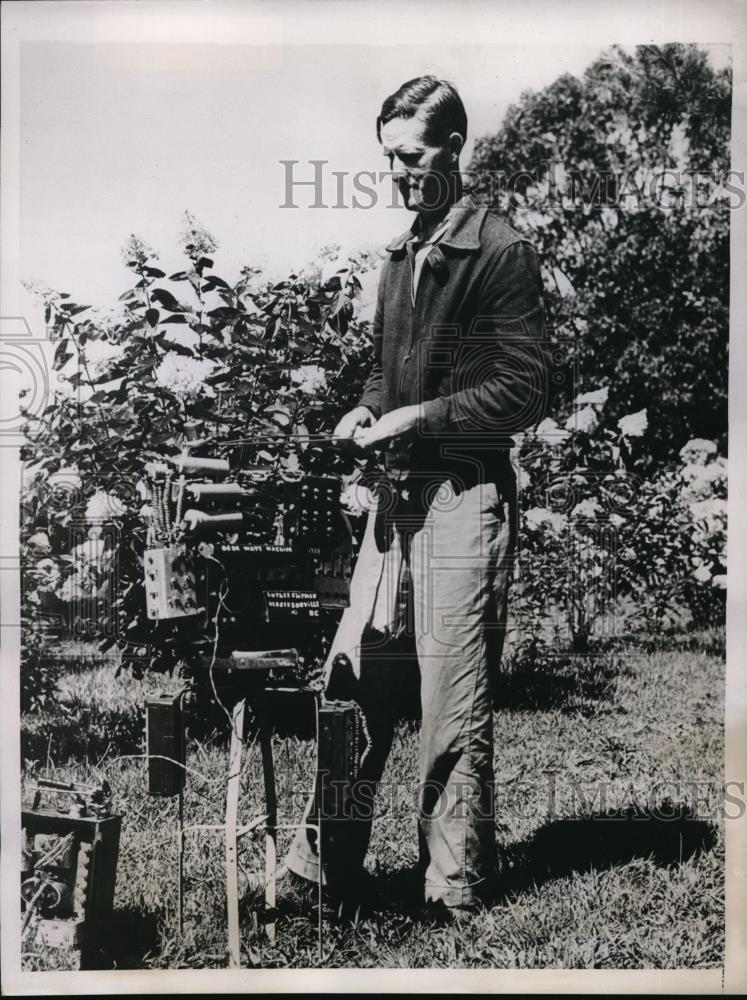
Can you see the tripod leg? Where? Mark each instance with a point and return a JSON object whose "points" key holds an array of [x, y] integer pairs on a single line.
{"points": [[232, 808], [268, 769]]}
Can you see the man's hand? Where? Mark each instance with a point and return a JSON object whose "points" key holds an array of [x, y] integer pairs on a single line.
{"points": [[394, 424], [361, 416]]}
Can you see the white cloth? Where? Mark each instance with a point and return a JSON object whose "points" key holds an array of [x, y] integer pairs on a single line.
{"points": [[377, 597]]}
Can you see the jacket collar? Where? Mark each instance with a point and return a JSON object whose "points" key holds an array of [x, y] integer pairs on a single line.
{"points": [[463, 232]]}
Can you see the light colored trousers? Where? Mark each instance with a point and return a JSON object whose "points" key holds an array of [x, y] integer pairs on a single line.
{"points": [[458, 541]]}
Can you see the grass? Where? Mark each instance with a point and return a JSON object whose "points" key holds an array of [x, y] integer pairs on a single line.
{"points": [[608, 780]]}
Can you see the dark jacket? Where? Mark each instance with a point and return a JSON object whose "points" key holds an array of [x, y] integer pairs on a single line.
{"points": [[472, 346]]}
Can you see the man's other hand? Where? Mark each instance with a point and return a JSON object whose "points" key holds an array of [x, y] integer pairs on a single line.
{"points": [[361, 416], [392, 425]]}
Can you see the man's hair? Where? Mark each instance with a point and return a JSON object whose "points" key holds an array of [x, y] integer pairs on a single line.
{"points": [[437, 101]]}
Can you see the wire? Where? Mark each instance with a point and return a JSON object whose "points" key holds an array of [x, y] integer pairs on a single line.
{"points": [[211, 669], [158, 756], [44, 884]]}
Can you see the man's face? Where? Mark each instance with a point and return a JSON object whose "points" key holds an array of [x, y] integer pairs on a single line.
{"points": [[420, 171]]}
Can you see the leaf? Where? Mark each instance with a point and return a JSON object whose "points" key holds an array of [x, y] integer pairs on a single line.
{"points": [[213, 282], [151, 316], [178, 318], [167, 300], [154, 272], [179, 276], [224, 312], [174, 345], [72, 309], [61, 357]]}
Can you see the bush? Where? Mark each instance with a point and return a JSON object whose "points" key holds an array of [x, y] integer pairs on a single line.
{"points": [[267, 364], [600, 540]]}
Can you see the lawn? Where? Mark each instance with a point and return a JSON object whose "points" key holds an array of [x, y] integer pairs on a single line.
{"points": [[608, 781]]}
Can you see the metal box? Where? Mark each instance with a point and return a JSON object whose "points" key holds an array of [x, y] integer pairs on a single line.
{"points": [[165, 744], [82, 874]]}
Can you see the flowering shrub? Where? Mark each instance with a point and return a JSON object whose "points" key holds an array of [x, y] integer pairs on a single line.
{"points": [[600, 544], [267, 364]]}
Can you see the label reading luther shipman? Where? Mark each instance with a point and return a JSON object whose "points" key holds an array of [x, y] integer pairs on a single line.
{"points": [[283, 604]]}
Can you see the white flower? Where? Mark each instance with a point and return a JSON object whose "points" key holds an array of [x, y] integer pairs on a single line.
{"points": [[75, 587], [101, 355], [702, 574], [701, 479], [587, 508], [711, 473], [697, 451], [185, 377], [719, 580], [109, 320], [43, 293], [584, 420], [634, 424], [46, 572], [196, 240], [598, 397], [40, 540], [309, 378], [609, 217], [550, 432], [535, 517], [136, 252], [711, 511], [102, 506]]}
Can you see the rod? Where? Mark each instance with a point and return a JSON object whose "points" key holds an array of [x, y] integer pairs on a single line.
{"points": [[180, 861]]}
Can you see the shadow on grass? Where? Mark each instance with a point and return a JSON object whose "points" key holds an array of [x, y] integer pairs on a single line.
{"points": [[668, 836], [81, 732], [127, 939], [569, 683]]}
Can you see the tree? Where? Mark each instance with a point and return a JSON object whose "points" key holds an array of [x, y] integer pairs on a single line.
{"points": [[618, 179]]}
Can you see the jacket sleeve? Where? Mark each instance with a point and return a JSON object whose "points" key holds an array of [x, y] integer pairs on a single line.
{"points": [[498, 379], [372, 390]]}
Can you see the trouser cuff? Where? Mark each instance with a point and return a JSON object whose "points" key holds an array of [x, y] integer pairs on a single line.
{"points": [[452, 896]]}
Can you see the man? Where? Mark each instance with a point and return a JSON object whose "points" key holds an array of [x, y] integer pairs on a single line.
{"points": [[459, 366]]}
